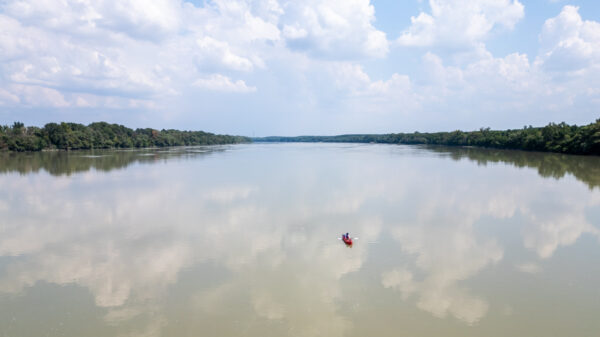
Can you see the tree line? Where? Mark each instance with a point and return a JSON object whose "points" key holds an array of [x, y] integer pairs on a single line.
{"points": [[101, 135], [560, 138]]}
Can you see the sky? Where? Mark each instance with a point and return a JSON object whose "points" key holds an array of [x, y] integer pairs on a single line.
{"points": [[279, 67]]}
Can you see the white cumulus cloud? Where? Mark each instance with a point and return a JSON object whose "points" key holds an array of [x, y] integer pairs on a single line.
{"points": [[325, 62], [333, 28], [568, 43], [458, 23], [220, 82]]}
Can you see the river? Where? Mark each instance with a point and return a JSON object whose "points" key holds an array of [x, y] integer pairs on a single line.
{"points": [[243, 240]]}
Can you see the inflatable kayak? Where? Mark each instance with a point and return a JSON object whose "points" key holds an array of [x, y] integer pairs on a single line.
{"points": [[347, 241]]}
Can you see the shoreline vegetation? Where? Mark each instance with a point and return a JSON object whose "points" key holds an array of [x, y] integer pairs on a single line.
{"points": [[102, 135], [558, 138]]}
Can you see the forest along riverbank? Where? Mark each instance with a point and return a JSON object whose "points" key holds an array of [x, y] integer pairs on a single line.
{"points": [[102, 135], [560, 138]]}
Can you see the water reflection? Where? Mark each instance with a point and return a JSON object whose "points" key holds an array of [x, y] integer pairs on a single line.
{"points": [[245, 243], [548, 165], [442, 236], [69, 162]]}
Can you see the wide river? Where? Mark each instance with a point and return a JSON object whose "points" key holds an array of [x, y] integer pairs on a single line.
{"points": [[244, 241]]}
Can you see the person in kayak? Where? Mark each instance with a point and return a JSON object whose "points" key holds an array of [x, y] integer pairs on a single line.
{"points": [[347, 236]]}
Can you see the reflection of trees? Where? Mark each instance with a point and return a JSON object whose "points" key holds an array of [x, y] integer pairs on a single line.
{"points": [[548, 165], [65, 163]]}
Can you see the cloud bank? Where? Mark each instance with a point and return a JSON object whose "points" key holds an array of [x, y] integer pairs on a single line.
{"points": [[287, 67]]}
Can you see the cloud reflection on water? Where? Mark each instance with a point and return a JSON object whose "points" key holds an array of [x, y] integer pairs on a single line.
{"points": [[268, 217], [127, 243], [441, 232]]}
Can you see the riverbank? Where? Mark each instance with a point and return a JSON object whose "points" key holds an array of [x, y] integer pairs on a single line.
{"points": [[558, 138], [102, 135]]}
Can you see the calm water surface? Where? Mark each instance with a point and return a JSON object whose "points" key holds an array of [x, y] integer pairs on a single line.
{"points": [[243, 241]]}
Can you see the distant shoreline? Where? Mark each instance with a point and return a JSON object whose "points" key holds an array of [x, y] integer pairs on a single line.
{"points": [[557, 138]]}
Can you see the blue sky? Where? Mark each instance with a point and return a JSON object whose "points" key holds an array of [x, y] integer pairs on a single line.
{"points": [[279, 67]]}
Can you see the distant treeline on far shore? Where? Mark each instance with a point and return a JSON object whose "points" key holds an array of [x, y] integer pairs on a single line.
{"points": [[101, 135], [561, 138]]}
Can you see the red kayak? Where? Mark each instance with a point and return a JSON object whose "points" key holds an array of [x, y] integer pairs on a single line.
{"points": [[347, 241]]}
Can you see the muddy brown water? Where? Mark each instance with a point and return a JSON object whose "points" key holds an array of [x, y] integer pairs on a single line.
{"points": [[244, 241]]}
